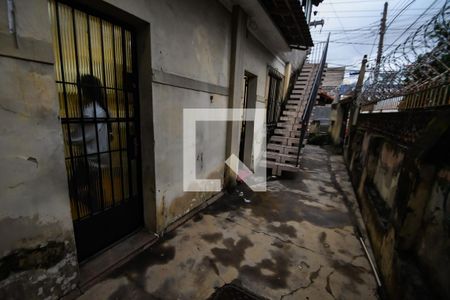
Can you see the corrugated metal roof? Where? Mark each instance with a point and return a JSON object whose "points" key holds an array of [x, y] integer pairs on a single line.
{"points": [[289, 17]]}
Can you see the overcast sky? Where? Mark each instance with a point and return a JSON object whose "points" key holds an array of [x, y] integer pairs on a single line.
{"points": [[354, 26]]}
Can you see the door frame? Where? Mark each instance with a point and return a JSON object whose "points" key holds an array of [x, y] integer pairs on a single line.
{"points": [[146, 184], [251, 91]]}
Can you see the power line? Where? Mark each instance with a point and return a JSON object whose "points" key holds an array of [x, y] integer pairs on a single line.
{"points": [[415, 21], [369, 16], [342, 27], [359, 30], [369, 10], [349, 2], [416, 63], [354, 43]]}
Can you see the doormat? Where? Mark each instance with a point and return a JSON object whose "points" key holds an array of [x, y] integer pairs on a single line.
{"points": [[234, 292]]}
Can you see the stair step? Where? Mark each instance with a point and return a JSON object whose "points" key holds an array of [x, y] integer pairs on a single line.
{"points": [[283, 146], [277, 168], [281, 158], [284, 140], [288, 133], [296, 95], [287, 126], [295, 101], [283, 149], [291, 120], [290, 113], [294, 107]]}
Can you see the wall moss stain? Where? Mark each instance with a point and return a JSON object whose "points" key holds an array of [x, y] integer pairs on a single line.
{"points": [[415, 185], [50, 272], [38, 259], [170, 211], [27, 259]]}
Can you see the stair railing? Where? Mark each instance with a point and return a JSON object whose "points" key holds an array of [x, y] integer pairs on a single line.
{"points": [[292, 81], [312, 99]]}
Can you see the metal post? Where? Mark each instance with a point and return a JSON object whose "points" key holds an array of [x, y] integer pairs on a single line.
{"points": [[380, 44]]}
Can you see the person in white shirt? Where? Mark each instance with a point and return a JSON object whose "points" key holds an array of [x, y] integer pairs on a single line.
{"points": [[85, 181]]}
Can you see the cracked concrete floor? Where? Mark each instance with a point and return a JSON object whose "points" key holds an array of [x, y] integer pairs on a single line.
{"points": [[296, 241]]}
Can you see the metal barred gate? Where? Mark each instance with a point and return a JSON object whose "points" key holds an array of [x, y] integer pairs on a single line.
{"points": [[97, 89]]}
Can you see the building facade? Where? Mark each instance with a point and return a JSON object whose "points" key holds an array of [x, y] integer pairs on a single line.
{"points": [[92, 99]]}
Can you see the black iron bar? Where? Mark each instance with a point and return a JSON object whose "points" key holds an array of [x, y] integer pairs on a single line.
{"points": [[103, 152], [67, 127], [100, 180], [79, 95], [127, 113], [92, 120], [136, 118], [107, 109], [74, 83], [117, 108]]}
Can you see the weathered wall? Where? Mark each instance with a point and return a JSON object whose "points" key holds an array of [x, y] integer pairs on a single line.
{"points": [[204, 56], [190, 60], [197, 46], [403, 189], [190, 44], [37, 249], [172, 202], [336, 118]]}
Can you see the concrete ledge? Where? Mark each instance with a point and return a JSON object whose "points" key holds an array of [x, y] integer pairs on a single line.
{"points": [[188, 83], [28, 49], [97, 267]]}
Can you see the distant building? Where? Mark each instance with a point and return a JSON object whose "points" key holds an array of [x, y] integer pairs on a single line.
{"points": [[329, 91]]}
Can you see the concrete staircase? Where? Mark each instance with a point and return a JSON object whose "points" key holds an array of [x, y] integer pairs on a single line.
{"points": [[283, 145]]}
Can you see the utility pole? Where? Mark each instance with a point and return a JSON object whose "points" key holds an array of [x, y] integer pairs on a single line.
{"points": [[380, 43], [354, 107], [362, 72], [358, 87]]}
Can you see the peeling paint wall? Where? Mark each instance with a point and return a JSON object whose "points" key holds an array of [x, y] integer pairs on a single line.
{"points": [[37, 249], [403, 192]]}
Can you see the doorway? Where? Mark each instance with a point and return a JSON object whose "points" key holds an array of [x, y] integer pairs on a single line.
{"points": [[273, 102], [246, 137], [98, 98]]}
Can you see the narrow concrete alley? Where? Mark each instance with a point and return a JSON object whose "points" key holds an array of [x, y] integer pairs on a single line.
{"points": [[296, 241]]}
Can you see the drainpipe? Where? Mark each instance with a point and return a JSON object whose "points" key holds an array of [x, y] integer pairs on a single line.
{"points": [[238, 34]]}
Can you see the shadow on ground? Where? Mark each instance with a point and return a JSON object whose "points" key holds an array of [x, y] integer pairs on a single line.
{"points": [[296, 241]]}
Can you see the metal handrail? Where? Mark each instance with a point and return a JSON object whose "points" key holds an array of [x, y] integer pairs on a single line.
{"points": [[293, 78], [311, 99]]}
